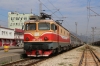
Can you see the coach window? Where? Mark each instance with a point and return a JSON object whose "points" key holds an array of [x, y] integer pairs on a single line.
{"points": [[64, 32], [61, 30], [53, 27]]}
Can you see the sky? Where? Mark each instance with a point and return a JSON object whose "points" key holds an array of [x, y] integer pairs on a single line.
{"points": [[70, 11]]}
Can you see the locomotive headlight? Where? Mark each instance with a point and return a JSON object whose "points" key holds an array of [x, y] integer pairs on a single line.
{"points": [[46, 38], [27, 39]]}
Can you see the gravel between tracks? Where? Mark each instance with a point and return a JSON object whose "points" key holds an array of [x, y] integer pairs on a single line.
{"points": [[69, 58], [97, 49]]}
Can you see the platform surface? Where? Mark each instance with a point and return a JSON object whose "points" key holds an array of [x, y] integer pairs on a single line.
{"points": [[11, 55]]}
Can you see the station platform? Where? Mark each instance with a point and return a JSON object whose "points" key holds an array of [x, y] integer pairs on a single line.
{"points": [[10, 56]]}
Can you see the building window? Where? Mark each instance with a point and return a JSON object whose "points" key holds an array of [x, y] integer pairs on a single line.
{"points": [[2, 32], [25, 18], [10, 33], [11, 24], [21, 18], [17, 18], [16, 23], [21, 23], [11, 18], [6, 33]]}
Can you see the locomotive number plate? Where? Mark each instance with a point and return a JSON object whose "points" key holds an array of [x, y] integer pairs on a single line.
{"points": [[36, 34], [37, 39]]}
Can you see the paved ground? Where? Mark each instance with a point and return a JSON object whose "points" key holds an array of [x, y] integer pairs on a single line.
{"points": [[11, 55]]}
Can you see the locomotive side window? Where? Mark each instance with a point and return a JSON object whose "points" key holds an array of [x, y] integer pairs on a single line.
{"points": [[53, 27], [30, 26], [44, 26]]}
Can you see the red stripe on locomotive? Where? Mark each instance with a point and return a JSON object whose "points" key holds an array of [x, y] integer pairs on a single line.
{"points": [[50, 36]]}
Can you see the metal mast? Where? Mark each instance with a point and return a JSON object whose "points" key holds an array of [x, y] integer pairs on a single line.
{"points": [[40, 8], [93, 32], [76, 27]]}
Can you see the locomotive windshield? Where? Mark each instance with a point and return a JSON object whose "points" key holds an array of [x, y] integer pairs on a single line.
{"points": [[30, 26], [44, 26]]}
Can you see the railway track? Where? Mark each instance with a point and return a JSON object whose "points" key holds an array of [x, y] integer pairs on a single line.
{"points": [[89, 58], [25, 62]]}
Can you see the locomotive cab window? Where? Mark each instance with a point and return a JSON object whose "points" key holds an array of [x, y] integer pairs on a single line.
{"points": [[53, 27], [30, 26], [44, 26]]}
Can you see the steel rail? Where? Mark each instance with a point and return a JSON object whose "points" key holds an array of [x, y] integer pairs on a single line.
{"points": [[9, 64], [82, 57], [96, 56], [93, 57]]}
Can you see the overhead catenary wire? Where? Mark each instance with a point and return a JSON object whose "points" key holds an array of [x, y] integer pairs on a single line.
{"points": [[89, 11], [59, 12], [93, 11], [47, 8], [55, 7]]}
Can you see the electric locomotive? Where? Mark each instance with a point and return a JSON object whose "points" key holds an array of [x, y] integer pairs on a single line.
{"points": [[43, 36]]}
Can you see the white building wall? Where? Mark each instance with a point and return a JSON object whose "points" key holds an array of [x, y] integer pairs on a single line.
{"points": [[16, 20], [6, 33], [21, 36]]}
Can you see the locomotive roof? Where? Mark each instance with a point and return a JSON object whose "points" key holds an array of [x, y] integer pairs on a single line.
{"points": [[39, 21]]}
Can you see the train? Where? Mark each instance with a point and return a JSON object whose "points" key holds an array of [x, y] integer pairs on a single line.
{"points": [[43, 36], [96, 43]]}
